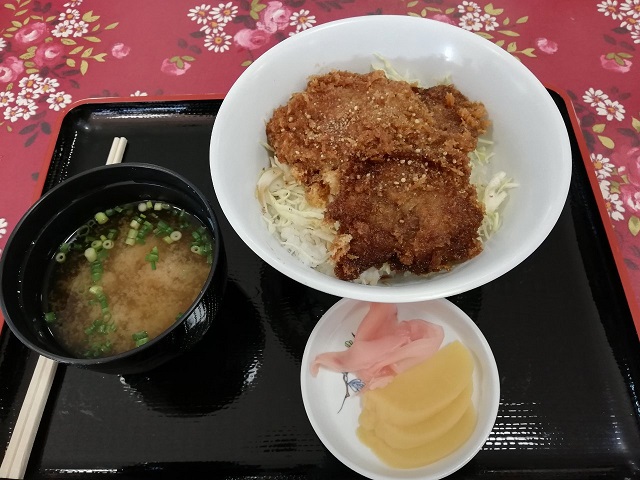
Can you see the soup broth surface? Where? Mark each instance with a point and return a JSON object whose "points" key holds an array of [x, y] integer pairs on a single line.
{"points": [[130, 293]]}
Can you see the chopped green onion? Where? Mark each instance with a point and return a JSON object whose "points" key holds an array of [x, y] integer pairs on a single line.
{"points": [[157, 206], [118, 209], [96, 244], [113, 233], [107, 244], [196, 249], [50, 317], [140, 335], [130, 241], [140, 338], [142, 207], [176, 235], [96, 289], [101, 218], [61, 257], [132, 233], [135, 223], [179, 315], [152, 257], [64, 248], [109, 212], [91, 254], [96, 270], [149, 204], [167, 239]]}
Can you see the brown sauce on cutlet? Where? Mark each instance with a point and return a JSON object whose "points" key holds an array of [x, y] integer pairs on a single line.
{"points": [[390, 162]]}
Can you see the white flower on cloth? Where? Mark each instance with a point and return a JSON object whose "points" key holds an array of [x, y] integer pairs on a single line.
{"points": [[605, 186], [610, 8], [13, 113], [47, 85], [615, 207], [593, 97], [636, 35], [138, 93], [200, 14], [603, 167], [31, 82], [489, 22], [63, 29], [58, 100], [630, 22], [302, 20], [70, 14], [631, 8], [469, 7], [6, 98], [29, 108], [219, 42], [26, 96], [73, 3], [610, 110], [213, 26], [3, 44], [224, 12], [3, 227], [471, 22], [80, 28]]}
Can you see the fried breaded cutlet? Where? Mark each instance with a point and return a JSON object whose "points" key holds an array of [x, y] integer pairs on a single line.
{"points": [[389, 161]]}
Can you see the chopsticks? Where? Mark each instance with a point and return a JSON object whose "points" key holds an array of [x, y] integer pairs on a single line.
{"points": [[24, 433], [117, 150], [19, 449]]}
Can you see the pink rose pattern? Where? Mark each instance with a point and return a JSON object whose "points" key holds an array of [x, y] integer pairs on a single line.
{"points": [[41, 51], [488, 21], [222, 26]]}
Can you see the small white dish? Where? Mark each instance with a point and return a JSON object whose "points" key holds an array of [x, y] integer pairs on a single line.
{"points": [[335, 419]]}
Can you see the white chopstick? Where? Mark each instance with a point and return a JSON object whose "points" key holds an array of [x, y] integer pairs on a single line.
{"points": [[24, 433], [117, 150], [17, 456]]}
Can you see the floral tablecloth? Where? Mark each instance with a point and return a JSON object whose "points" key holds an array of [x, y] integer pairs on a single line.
{"points": [[56, 52]]}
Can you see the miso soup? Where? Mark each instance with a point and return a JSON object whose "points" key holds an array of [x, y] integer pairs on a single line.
{"points": [[124, 277]]}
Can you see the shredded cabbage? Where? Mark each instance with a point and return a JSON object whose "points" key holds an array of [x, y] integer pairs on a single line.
{"points": [[298, 226]]}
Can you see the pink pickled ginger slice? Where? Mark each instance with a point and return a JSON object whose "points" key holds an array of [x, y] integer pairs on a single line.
{"points": [[383, 347]]}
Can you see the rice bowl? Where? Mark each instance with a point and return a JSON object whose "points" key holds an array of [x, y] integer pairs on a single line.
{"points": [[428, 51]]}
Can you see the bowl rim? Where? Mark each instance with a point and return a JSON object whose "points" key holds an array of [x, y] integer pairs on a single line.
{"points": [[70, 183], [389, 293]]}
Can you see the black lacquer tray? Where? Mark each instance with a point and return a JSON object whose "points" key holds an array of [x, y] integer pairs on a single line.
{"points": [[559, 326]]}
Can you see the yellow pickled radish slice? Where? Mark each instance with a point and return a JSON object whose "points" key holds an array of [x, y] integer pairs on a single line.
{"points": [[426, 453], [424, 390], [426, 431]]}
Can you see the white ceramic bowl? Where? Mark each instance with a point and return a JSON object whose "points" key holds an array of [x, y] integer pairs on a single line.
{"points": [[336, 423], [531, 141]]}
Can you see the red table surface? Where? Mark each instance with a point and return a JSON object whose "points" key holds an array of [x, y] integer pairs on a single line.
{"points": [[56, 53]]}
